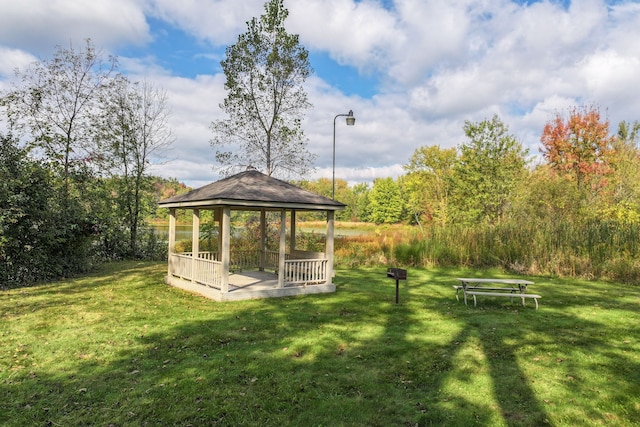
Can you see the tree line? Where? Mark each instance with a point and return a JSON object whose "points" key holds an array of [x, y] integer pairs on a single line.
{"points": [[584, 171], [74, 180], [87, 135], [75, 187], [574, 209]]}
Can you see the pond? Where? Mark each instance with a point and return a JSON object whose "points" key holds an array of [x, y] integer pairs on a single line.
{"points": [[183, 231]]}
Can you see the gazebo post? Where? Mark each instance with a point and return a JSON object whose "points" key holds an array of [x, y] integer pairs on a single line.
{"points": [[292, 243], [195, 243], [217, 216], [329, 245], [263, 239], [283, 243], [172, 238], [226, 245]]}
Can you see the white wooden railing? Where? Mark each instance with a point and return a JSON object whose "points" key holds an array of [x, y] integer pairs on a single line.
{"points": [[240, 260], [300, 267], [307, 271], [201, 270], [271, 260]]}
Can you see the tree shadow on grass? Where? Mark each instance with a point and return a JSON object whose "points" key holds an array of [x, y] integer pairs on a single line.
{"points": [[341, 359], [350, 358], [57, 294], [562, 342]]}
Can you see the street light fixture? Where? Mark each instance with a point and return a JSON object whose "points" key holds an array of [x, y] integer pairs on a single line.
{"points": [[351, 120]]}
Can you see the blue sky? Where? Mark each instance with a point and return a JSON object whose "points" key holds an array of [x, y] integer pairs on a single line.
{"points": [[176, 50], [186, 56], [411, 70]]}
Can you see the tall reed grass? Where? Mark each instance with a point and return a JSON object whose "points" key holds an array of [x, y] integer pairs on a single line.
{"points": [[593, 249], [602, 249]]}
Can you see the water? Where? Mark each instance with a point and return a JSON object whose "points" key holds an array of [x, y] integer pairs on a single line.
{"points": [[183, 231]]}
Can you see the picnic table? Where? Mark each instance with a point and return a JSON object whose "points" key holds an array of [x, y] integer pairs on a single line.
{"points": [[495, 288]]}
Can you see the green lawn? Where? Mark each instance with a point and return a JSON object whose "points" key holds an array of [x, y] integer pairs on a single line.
{"points": [[120, 348]]}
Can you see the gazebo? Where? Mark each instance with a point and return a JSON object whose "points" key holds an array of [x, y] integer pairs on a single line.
{"points": [[230, 275]]}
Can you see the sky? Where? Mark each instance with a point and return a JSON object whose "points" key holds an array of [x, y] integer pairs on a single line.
{"points": [[412, 71]]}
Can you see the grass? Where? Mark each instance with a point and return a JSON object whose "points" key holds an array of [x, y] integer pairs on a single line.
{"points": [[120, 348]]}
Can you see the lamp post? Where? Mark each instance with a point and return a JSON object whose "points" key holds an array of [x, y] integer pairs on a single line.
{"points": [[351, 120]]}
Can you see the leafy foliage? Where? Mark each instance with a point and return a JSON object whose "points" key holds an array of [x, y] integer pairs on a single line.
{"points": [[490, 165], [357, 200], [132, 128], [265, 71], [55, 101], [386, 203], [427, 184], [621, 198], [43, 235], [96, 135], [579, 147]]}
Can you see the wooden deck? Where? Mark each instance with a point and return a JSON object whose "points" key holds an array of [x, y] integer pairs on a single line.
{"points": [[250, 281], [251, 284]]}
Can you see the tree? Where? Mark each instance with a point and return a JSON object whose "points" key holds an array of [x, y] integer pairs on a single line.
{"points": [[579, 147], [427, 183], [24, 192], [356, 200], [133, 128], [265, 71], [628, 133], [55, 101], [544, 197], [42, 236], [386, 202], [622, 195], [490, 165]]}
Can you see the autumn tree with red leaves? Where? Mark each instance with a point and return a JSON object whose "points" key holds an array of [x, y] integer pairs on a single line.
{"points": [[579, 147]]}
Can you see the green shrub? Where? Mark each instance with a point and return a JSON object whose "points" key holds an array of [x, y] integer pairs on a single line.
{"points": [[44, 231]]}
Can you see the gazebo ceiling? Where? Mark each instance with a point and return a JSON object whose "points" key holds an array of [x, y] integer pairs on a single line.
{"points": [[252, 189]]}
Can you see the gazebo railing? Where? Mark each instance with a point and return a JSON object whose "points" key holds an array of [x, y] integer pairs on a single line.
{"points": [[246, 260], [200, 270], [271, 259], [208, 272], [240, 260], [300, 267], [305, 271]]}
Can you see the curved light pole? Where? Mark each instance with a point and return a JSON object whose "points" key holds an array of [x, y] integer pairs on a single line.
{"points": [[351, 120]]}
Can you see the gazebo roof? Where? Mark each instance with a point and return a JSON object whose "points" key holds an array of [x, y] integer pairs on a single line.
{"points": [[252, 189]]}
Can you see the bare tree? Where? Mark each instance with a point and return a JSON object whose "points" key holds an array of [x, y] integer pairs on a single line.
{"points": [[133, 131]]}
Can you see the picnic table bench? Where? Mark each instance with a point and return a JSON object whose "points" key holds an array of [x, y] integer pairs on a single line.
{"points": [[474, 287]]}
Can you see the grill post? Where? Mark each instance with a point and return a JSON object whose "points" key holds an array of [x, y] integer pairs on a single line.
{"points": [[397, 274]]}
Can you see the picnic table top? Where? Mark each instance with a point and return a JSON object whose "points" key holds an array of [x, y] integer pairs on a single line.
{"points": [[504, 281]]}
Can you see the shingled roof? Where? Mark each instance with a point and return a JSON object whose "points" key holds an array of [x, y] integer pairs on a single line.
{"points": [[252, 189]]}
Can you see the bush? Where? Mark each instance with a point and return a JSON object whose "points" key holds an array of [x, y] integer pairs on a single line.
{"points": [[44, 233]]}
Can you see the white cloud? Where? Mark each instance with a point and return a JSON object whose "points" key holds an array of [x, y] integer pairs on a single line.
{"points": [[216, 21], [354, 33], [609, 75], [193, 104], [193, 173], [38, 25], [12, 59], [624, 28], [432, 33], [440, 62]]}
